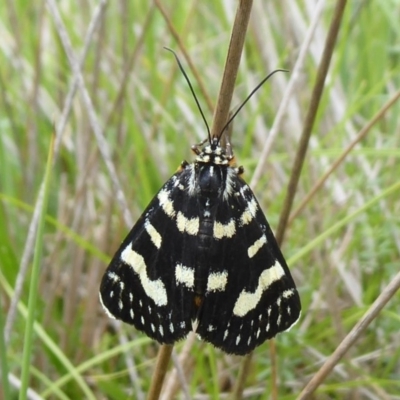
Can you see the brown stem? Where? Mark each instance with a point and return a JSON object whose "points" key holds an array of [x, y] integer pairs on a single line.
{"points": [[231, 67], [310, 118], [350, 339], [160, 371]]}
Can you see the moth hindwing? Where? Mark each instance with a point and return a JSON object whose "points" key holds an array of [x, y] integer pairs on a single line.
{"points": [[202, 257]]}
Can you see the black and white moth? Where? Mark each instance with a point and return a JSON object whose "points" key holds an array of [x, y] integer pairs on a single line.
{"points": [[202, 257]]}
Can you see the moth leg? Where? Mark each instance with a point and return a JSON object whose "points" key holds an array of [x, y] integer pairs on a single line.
{"points": [[196, 148]]}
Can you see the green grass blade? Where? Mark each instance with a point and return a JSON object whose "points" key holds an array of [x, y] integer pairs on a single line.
{"points": [[33, 289], [343, 222], [50, 344], [3, 359]]}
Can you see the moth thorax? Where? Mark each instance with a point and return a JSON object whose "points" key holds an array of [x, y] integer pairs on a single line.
{"points": [[210, 179]]}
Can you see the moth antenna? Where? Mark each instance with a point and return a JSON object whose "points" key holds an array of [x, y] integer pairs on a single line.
{"points": [[191, 89], [248, 98]]}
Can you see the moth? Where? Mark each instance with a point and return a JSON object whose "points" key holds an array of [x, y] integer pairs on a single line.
{"points": [[202, 257]]}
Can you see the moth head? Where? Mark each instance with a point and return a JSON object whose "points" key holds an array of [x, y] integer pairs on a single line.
{"points": [[213, 154]]}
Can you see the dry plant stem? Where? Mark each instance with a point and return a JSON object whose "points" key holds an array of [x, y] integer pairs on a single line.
{"points": [[173, 383], [182, 47], [160, 370], [274, 369], [28, 249], [358, 138], [350, 339], [221, 114], [237, 393], [310, 118], [231, 66]]}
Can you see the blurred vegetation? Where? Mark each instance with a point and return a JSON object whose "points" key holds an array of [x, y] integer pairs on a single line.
{"points": [[140, 104]]}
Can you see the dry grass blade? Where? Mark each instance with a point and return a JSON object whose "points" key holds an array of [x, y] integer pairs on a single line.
{"points": [[59, 131], [350, 339], [310, 118], [102, 143], [188, 59], [294, 77], [345, 153]]}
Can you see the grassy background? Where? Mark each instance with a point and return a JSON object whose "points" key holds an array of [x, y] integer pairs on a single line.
{"points": [[144, 109]]}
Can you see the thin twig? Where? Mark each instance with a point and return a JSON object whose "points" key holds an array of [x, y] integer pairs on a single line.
{"points": [[160, 370], [310, 118], [237, 393], [350, 339], [221, 115], [231, 67], [173, 383]]}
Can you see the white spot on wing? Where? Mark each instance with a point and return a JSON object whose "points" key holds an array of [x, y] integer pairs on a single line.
{"points": [[165, 202], [154, 289], [217, 281], [287, 293], [184, 275], [247, 301], [221, 230], [113, 276], [154, 235], [191, 226], [253, 249], [249, 213]]}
